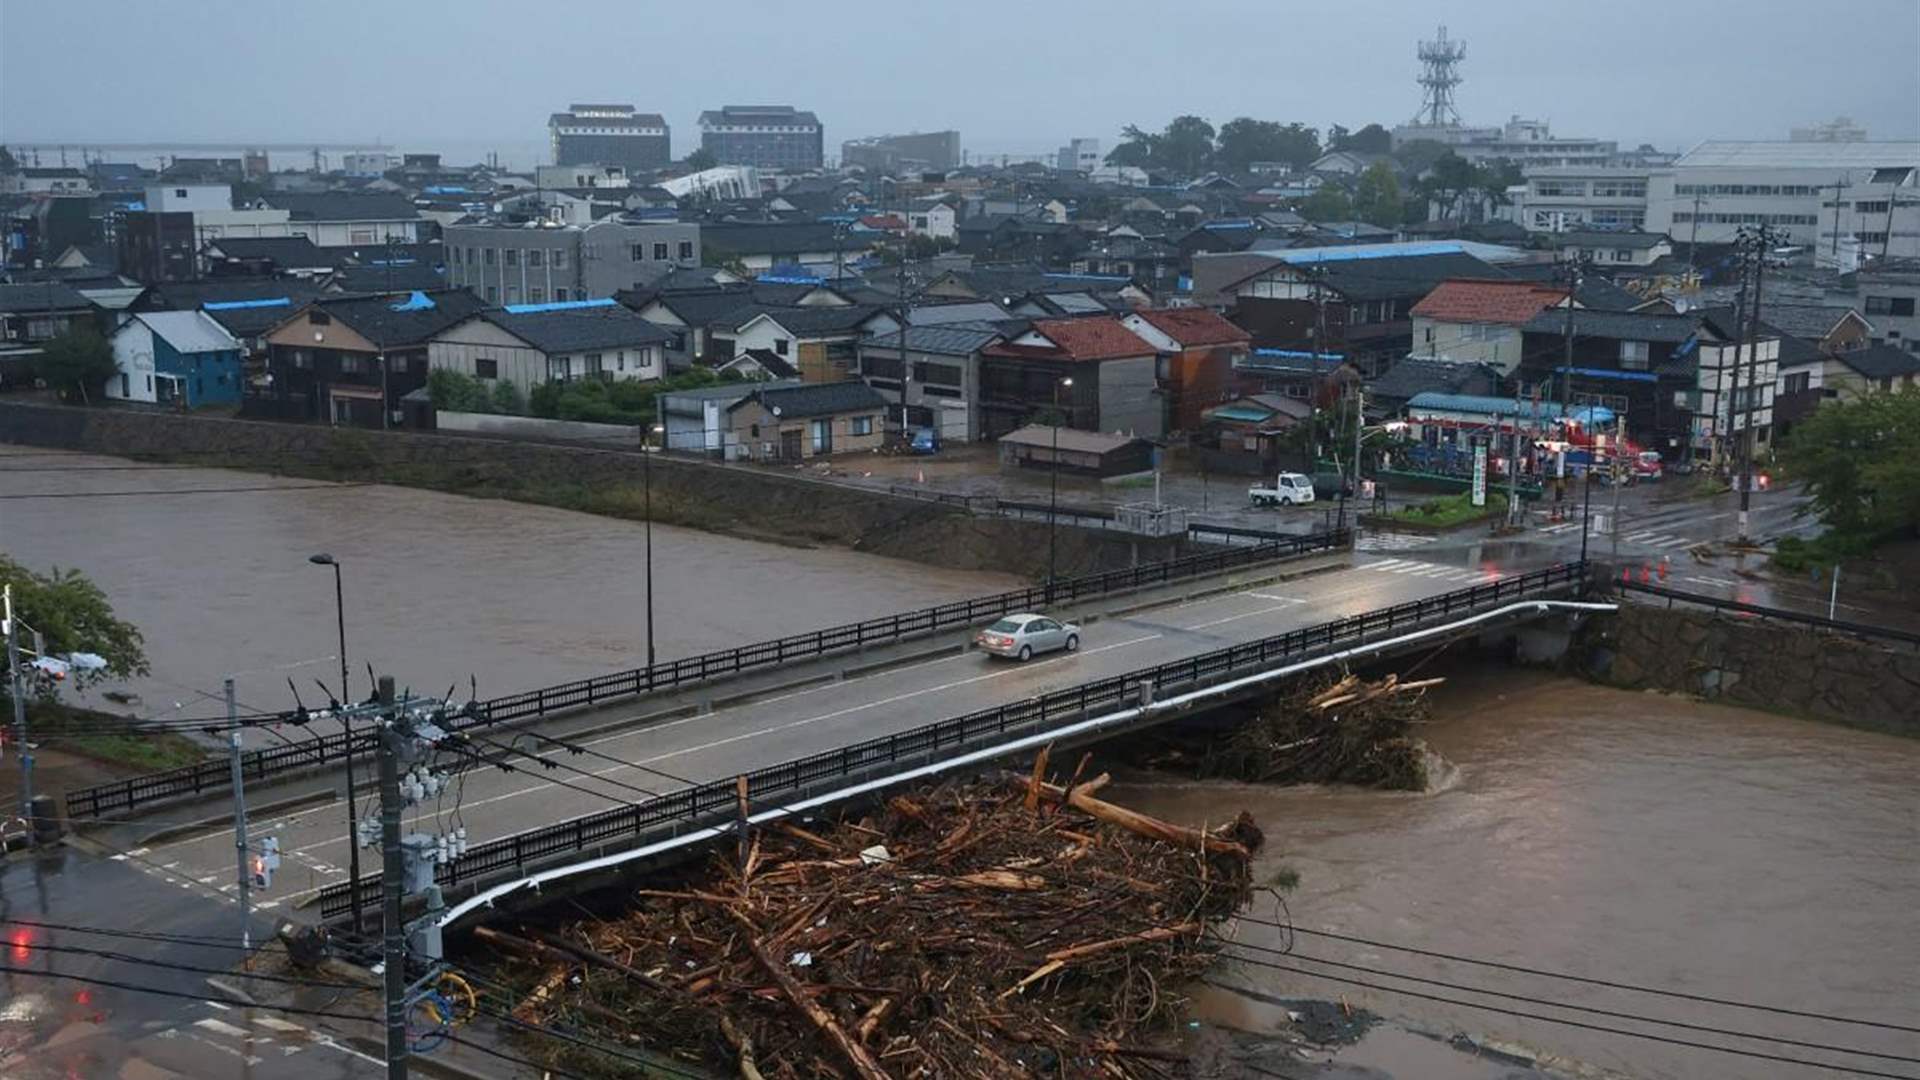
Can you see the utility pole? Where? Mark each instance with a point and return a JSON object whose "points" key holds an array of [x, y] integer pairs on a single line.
{"points": [[1723, 445], [1566, 361], [1513, 467], [244, 877], [392, 884], [1693, 245], [1764, 239], [1359, 421], [1613, 470], [19, 714]]}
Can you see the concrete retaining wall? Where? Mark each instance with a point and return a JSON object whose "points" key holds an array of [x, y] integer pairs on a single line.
{"points": [[501, 425], [785, 507], [1757, 664]]}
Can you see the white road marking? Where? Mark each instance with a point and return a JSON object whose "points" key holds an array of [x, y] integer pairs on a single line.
{"points": [[1723, 582], [221, 1027], [274, 1023]]}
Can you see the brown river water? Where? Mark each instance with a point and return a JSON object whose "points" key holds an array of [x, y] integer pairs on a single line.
{"points": [[1622, 836], [438, 587]]}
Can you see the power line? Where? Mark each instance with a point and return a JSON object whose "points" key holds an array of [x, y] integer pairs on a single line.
{"points": [[1670, 1040], [1703, 1028], [209, 940], [1521, 969], [291, 1010], [141, 961]]}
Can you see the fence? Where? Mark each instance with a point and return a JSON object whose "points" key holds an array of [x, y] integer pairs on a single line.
{"points": [[718, 800], [212, 777], [1673, 596]]}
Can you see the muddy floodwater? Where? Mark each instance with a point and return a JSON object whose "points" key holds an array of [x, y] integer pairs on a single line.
{"points": [[212, 566], [1620, 836]]}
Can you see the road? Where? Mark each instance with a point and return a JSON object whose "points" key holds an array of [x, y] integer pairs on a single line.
{"points": [[666, 756]]}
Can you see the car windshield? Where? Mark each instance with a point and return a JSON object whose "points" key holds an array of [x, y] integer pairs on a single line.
{"points": [[1005, 626]]}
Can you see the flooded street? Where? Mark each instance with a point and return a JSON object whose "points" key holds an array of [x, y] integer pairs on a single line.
{"points": [[438, 587], [1619, 836]]}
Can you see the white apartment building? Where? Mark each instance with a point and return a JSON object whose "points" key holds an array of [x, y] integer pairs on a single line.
{"points": [[1820, 195], [1573, 198]]}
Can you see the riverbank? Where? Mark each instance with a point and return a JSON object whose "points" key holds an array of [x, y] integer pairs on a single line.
{"points": [[1579, 829]]}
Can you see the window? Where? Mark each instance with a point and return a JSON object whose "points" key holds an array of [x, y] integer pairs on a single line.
{"points": [[360, 236], [557, 368], [493, 295], [860, 425], [686, 249], [620, 360], [560, 258], [453, 253], [179, 193], [594, 365], [1799, 382], [780, 346], [490, 254], [1633, 356], [536, 257], [125, 385], [513, 294], [1622, 254], [537, 295], [319, 318], [1890, 305], [352, 364], [486, 369], [638, 252], [660, 252], [513, 257], [398, 364], [1880, 206], [943, 374], [302, 360]]}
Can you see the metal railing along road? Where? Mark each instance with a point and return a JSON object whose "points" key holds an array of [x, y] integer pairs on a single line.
{"points": [[213, 777], [717, 800], [1803, 618]]}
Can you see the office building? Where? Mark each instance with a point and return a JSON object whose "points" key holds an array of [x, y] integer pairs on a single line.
{"points": [[1079, 155], [1846, 200], [539, 263], [1564, 198], [935, 151], [764, 136], [610, 135]]}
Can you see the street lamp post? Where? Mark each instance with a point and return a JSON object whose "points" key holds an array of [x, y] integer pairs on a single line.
{"points": [[646, 468], [1053, 484], [346, 728]]}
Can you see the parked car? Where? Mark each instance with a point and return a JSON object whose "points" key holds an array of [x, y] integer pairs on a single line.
{"points": [[1288, 489], [925, 441], [1022, 636], [1331, 485]]}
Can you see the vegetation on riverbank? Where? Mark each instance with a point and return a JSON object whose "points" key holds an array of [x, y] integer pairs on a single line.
{"points": [[1860, 461], [1446, 512]]}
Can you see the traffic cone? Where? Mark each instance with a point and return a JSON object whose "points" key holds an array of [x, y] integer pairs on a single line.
{"points": [[1663, 568], [1626, 576], [922, 476], [1646, 574]]}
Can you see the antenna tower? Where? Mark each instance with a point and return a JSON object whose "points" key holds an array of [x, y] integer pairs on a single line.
{"points": [[1439, 74]]}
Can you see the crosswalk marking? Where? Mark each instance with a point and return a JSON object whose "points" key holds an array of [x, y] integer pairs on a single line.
{"points": [[1392, 541], [1433, 571]]}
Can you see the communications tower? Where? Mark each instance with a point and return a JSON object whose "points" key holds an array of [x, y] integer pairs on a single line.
{"points": [[1439, 74]]}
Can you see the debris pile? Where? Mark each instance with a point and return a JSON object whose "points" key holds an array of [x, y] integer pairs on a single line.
{"points": [[1332, 730], [973, 930]]}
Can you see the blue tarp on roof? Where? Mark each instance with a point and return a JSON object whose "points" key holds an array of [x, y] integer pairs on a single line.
{"points": [[1611, 373], [1500, 406], [1368, 251], [241, 305], [1297, 354], [416, 301], [558, 305]]}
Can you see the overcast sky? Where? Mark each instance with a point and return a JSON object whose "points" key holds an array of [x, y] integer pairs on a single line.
{"points": [[1012, 77]]}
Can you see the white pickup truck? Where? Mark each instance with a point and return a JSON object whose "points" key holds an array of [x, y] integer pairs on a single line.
{"points": [[1289, 489]]}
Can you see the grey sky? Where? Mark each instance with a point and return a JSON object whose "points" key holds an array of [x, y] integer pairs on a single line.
{"points": [[1012, 77]]}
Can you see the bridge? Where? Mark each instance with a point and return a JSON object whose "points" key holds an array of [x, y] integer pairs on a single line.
{"points": [[653, 766]]}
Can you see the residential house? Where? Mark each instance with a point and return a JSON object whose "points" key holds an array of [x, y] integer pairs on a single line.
{"points": [[527, 346], [1316, 379], [245, 308], [689, 311], [1881, 367], [340, 219], [1890, 299], [758, 365], [757, 246], [823, 341], [1245, 433], [795, 423], [1613, 249], [696, 420], [1416, 375], [1479, 320], [31, 314], [1199, 352], [49, 180], [1093, 371], [1357, 300], [153, 247], [350, 360], [934, 217], [1090, 453], [270, 256], [937, 377], [1347, 162], [179, 358]]}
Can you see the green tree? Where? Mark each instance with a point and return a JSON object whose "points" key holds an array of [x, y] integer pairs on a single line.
{"points": [[1860, 461], [506, 399], [1376, 197], [78, 363], [453, 391], [1329, 203], [701, 159], [73, 616], [1418, 156], [1186, 147], [1450, 177], [1372, 139], [1244, 140], [1137, 149], [1494, 178]]}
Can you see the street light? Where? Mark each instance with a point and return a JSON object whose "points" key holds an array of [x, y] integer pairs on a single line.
{"points": [[646, 468], [346, 728], [1053, 486]]}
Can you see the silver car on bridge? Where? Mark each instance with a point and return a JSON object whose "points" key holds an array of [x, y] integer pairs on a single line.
{"points": [[1022, 636]]}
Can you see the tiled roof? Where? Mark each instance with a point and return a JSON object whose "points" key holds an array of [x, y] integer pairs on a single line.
{"points": [[392, 321], [945, 339], [1195, 326], [1882, 361], [814, 319], [342, 206], [1620, 325], [610, 327], [51, 296], [1472, 300], [286, 252], [189, 331], [816, 399], [1811, 321], [1418, 374], [1096, 338], [772, 363]]}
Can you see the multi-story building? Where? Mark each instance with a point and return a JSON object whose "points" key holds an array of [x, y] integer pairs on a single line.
{"points": [[539, 263], [368, 163], [1830, 196], [765, 136], [1079, 155], [1889, 293], [935, 151], [1565, 198], [1524, 142], [610, 135]]}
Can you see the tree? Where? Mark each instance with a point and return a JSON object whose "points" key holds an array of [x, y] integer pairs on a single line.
{"points": [[1450, 177], [1418, 156], [506, 399], [1376, 197], [1136, 150], [1244, 140], [1495, 177], [78, 363], [1186, 147], [73, 616], [1372, 139], [1329, 203], [1860, 461], [701, 159]]}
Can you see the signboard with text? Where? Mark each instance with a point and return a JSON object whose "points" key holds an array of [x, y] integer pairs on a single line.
{"points": [[1480, 475]]}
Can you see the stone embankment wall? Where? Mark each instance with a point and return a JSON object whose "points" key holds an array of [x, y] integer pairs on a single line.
{"points": [[1779, 667], [783, 507]]}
